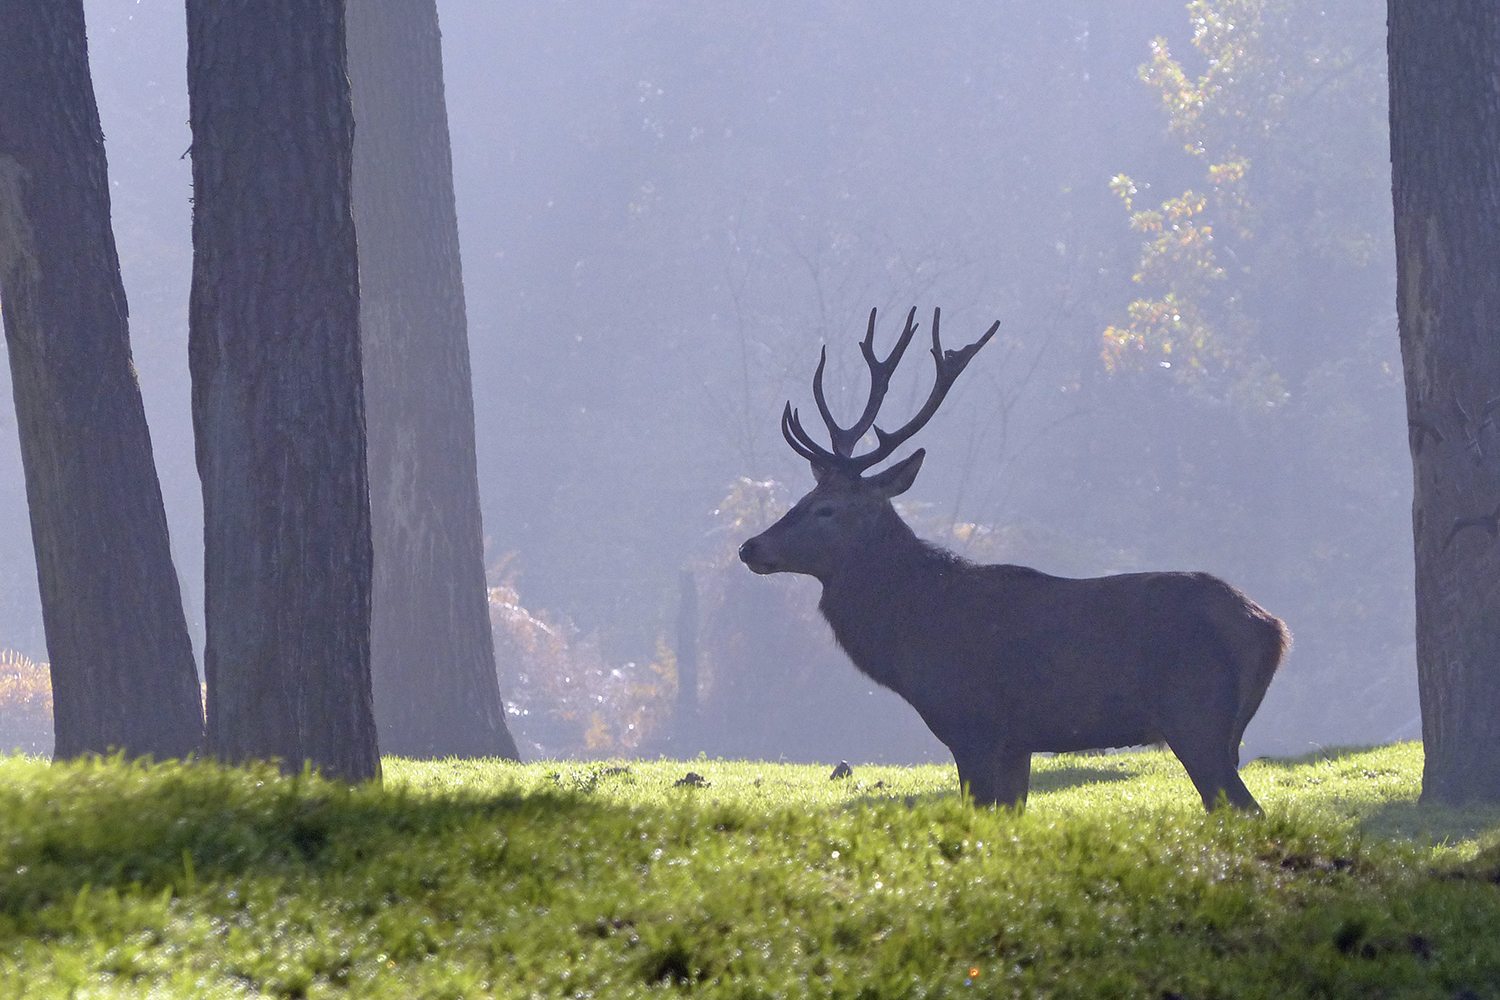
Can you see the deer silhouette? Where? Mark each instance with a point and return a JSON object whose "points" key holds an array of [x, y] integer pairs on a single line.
{"points": [[1004, 661]]}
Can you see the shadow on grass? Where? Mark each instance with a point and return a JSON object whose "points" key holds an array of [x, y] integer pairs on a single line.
{"points": [[1437, 825], [1053, 779], [1058, 778], [202, 822], [1321, 754], [1406, 820]]}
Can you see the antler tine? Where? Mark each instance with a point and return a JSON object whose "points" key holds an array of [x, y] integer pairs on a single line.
{"points": [[834, 430], [845, 438], [801, 442], [949, 364]]}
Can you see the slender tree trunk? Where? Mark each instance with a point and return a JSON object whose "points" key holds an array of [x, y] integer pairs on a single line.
{"points": [[278, 410], [1445, 158], [432, 653], [122, 664], [687, 660]]}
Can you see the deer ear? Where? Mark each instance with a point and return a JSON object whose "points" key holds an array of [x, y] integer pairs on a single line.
{"points": [[898, 478], [820, 472]]}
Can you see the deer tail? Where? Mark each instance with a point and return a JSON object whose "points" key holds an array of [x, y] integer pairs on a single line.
{"points": [[1261, 641]]}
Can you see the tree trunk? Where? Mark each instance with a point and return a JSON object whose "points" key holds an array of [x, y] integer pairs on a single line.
{"points": [[432, 652], [687, 660], [278, 411], [1445, 158], [122, 664]]}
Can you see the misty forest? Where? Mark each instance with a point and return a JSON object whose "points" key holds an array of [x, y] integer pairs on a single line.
{"points": [[466, 536], [1180, 215]]}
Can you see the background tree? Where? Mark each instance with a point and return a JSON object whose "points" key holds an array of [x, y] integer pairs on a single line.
{"points": [[122, 664], [1258, 359], [1445, 160], [665, 204], [277, 387], [432, 654]]}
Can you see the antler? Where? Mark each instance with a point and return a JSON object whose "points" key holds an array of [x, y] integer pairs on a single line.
{"points": [[950, 364]]}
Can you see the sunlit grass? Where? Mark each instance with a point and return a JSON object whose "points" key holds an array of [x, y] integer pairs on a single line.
{"points": [[1373, 791], [611, 879]]}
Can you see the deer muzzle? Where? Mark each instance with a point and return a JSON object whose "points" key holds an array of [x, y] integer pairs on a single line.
{"points": [[753, 554]]}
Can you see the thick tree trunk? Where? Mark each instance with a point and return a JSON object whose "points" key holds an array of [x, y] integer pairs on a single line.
{"points": [[277, 387], [432, 653], [1445, 158], [122, 664]]}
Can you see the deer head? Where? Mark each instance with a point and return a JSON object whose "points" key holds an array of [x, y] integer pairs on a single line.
{"points": [[848, 512]]}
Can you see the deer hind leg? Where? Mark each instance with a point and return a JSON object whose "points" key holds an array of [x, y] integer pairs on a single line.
{"points": [[1196, 716], [996, 776], [1211, 764], [1213, 779]]}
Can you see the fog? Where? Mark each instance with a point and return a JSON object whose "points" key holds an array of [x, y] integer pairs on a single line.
{"points": [[667, 207]]}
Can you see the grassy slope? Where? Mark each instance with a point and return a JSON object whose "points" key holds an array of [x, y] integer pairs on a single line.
{"points": [[559, 879]]}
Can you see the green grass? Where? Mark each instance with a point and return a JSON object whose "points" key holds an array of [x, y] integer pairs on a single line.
{"points": [[565, 879]]}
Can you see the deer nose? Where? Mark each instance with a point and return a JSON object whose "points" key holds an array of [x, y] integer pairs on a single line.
{"points": [[753, 554]]}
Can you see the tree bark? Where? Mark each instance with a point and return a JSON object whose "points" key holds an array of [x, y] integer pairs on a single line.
{"points": [[278, 411], [123, 675], [432, 652], [1445, 159]]}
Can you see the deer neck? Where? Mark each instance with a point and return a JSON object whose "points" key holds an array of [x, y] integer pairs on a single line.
{"points": [[870, 600]]}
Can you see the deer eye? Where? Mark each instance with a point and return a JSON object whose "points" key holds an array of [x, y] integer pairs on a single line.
{"points": [[824, 511]]}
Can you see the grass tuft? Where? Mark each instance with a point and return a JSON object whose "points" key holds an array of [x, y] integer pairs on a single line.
{"points": [[478, 878]]}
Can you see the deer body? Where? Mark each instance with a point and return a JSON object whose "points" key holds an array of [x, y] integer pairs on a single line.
{"points": [[1003, 661]]}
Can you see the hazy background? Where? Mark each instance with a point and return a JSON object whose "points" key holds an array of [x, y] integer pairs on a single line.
{"points": [[667, 206]]}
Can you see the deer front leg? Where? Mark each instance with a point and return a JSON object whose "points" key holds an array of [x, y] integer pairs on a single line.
{"points": [[1000, 776]]}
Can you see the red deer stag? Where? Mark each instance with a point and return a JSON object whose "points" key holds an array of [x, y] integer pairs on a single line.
{"points": [[1003, 661]]}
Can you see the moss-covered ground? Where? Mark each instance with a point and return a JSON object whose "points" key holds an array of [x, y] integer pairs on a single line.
{"points": [[472, 879]]}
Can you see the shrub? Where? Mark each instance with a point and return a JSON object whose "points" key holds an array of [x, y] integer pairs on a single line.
{"points": [[562, 697], [25, 704]]}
